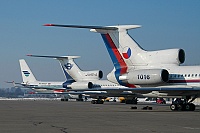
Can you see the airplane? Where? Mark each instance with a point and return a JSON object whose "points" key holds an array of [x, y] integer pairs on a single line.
{"points": [[42, 87], [91, 79], [29, 80], [157, 71]]}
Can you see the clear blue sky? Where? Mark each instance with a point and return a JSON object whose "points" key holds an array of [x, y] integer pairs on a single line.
{"points": [[165, 24]]}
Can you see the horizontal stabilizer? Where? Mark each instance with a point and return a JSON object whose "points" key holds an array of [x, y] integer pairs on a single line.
{"points": [[81, 26], [93, 28], [55, 57], [16, 85], [12, 82]]}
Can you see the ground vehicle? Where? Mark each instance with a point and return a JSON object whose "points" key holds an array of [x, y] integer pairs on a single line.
{"points": [[160, 101]]}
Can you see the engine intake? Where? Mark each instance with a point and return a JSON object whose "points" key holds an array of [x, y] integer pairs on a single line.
{"points": [[181, 56]]}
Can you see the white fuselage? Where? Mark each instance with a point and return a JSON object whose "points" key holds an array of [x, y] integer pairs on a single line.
{"points": [[182, 75]]}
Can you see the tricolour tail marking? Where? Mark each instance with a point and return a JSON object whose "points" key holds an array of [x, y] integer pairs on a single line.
{"points": [[114, 54], [117, 59]]}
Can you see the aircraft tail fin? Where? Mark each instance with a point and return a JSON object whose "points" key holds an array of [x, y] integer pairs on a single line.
{"points": [[27, 75], [69, 67], [123, 49]]}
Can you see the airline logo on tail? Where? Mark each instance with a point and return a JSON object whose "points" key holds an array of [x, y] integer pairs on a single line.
{"points": [[68, 66], [26, 73], [126, 52]]}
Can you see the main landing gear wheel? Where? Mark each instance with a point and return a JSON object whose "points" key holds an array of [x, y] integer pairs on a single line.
{"points": [[131, 101], [189, 107], [182, 105], [98, 101], [173, 107], [63, 99]]}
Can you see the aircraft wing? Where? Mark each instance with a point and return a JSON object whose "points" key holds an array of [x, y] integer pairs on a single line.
{"points": [[169, 91], [74, 92], [92, 94], [41, 87], [141, 89], [96, 94]]}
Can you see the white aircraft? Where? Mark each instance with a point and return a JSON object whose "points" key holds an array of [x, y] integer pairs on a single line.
{"points": [[29, 80], [156, 71], [43, 87], [91, 80]]}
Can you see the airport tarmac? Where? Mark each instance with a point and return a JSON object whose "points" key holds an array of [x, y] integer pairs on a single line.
{"points": [[75, 117]]}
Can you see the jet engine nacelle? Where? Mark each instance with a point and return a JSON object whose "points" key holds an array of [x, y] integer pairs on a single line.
{"points": [[80, 85], [93, 75], [145, 77], [169, 56]]}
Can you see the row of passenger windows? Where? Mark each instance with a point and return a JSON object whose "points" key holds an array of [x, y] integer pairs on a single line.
{"points": [[183, 75], [104, 85]]}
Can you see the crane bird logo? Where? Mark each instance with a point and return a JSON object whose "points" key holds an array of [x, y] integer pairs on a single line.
{"points": [[68, 66]]}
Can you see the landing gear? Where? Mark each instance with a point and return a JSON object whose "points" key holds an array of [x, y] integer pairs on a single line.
{"points": [[182, 105], [131, 101], [97, 101], [114, 100], [79, 99], [64, 99]]}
